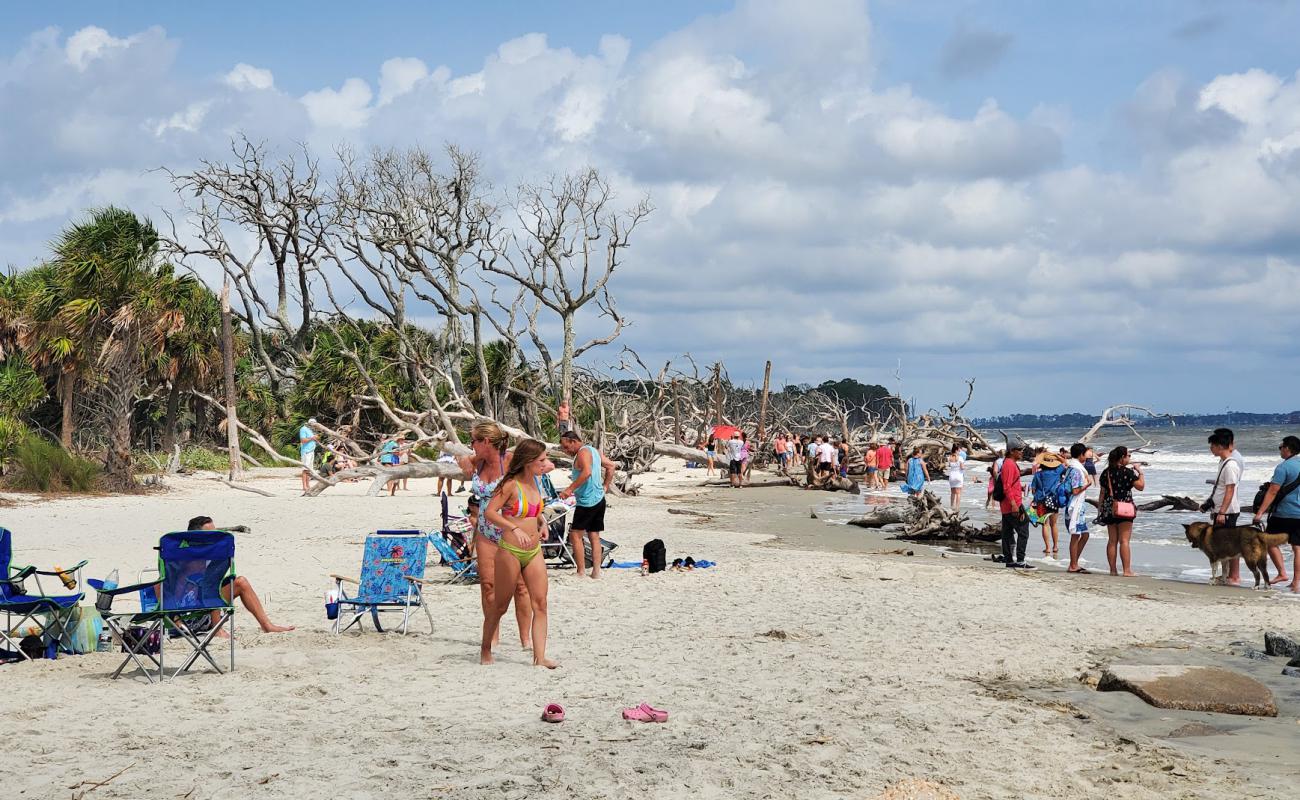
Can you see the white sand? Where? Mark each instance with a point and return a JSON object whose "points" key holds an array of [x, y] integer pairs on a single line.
{"points": [[889, 669]]}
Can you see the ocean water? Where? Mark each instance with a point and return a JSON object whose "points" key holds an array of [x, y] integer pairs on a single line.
{"points": [[1177, 462]]}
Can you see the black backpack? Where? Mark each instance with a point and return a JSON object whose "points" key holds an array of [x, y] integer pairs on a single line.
{"points": [[655, 554], [999, 491], [1282, 492]]}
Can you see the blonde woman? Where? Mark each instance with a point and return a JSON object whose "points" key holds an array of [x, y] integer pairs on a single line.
{"points": [[516, 510], [486, 466]]}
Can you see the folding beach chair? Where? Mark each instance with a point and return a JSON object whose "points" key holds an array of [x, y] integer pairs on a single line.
{"points": [[46, 615], [193, 568], [463, 568], [557, 548], [392, 577]]}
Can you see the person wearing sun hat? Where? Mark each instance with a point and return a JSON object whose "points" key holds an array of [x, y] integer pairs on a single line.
{"points": [[1049, 478]]}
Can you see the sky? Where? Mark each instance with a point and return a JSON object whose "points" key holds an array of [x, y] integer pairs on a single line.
{"points": [[1076, 204]]}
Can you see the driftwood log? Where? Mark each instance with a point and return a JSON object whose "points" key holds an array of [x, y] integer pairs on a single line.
{"points": [[1167, 502], [927, 520]]}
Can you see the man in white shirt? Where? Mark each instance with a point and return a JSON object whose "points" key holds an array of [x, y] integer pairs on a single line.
{"points": [[825, 455], [735, 448], [1076, 523], [1225, 502]]}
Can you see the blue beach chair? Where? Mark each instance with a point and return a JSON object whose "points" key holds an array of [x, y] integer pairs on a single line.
{"points": [[452, 545], [193, 569], [49, 614], [463, 569], [392, 579]]}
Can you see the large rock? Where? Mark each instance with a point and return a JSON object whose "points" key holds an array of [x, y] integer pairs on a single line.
{"points": [[1276, 644], [1191, 688]]}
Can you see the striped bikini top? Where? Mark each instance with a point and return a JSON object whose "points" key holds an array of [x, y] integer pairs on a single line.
{"points": [[525, 509]]}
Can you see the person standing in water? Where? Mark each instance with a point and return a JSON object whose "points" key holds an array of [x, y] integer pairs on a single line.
{"points": [[588, 491], [1118, 482], [956, 476], [515, 509], [486, 466], [917, 473]]}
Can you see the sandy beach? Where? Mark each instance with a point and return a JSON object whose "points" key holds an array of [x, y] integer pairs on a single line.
{"points": [[788, 671]]}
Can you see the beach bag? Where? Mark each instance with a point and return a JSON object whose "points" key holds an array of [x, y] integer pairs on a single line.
{"points": [[655, 555], [84, 628], [1120, 509]]}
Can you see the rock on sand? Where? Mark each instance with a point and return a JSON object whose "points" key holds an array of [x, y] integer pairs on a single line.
{"points": [[1191, 688], [1277, 644]]}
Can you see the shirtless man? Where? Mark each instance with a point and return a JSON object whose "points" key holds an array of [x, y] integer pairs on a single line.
{"points": [[241, 588]]}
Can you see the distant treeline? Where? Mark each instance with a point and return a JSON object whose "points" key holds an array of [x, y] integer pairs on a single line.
{"points": [[1085, 421]]}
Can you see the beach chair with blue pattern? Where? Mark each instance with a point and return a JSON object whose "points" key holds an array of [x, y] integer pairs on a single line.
{"points": [[194, 568], [392, 580], [47, 614]]}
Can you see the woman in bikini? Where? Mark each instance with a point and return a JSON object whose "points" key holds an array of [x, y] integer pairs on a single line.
{"points": [[487, 465], [516, 510]]}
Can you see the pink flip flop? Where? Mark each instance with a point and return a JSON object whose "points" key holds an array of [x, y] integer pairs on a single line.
{"points": [[644, 713], [554, 712], [658, 713]]}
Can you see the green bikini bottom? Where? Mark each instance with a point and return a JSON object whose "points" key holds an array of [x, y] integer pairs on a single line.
{"points": [[524, 556]]}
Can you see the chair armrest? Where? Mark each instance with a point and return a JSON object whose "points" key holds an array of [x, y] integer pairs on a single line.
{"points": [[19, 573], [424, 581], [345, 579], [65, 570], [98, 586]]}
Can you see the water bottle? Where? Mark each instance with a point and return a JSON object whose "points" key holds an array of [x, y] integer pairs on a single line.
{"points": [[111, 581]]}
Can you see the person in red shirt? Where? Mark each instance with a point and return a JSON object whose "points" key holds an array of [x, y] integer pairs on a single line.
{"points": [[884, 463], [1015, 522]]}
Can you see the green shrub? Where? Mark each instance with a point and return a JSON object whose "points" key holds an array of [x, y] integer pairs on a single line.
{"points": [[195, 458], [12, 431], [42, 466]]}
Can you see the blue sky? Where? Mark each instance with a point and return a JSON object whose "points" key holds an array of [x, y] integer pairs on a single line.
{"points": [[1108, 178]]}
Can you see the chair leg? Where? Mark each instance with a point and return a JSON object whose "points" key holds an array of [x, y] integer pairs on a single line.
{"points": [[133, 653], [201, 646], [9, 626]]}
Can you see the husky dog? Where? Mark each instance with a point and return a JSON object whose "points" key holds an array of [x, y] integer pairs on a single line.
{"points": [[1221, 545]]}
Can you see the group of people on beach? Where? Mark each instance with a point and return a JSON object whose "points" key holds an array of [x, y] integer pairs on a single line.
{"points": [[1059, 482], [506, 513]]}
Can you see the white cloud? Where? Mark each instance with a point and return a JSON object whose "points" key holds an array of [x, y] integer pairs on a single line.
{"points": [[397, 76], [91, 43], [786, 176], [1245, 96], [346, 107], [246, 77]]}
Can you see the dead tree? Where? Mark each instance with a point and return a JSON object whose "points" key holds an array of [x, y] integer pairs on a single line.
{"points": [[1119, 416], [280, 205], [569, 241]]}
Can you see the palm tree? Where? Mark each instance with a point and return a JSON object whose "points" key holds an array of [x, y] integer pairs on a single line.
{"points": [[190, 357], [109, 293], [44, 336]]}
